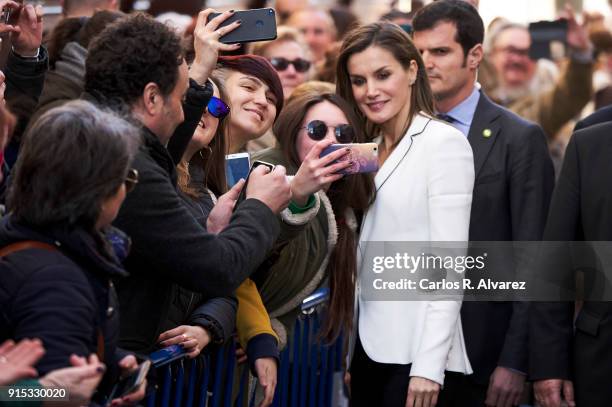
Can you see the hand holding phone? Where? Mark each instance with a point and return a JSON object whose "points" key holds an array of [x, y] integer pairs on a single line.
{"points": [[206, 42], [25, 21], [268, 184], [237, 167], [543, 34], [256, 164], [363, 156], [131, 388], [316, 171], [256, 25]]}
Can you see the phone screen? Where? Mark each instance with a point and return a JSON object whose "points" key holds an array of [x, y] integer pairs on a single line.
{"points": [[242, 195], [236, 167]]}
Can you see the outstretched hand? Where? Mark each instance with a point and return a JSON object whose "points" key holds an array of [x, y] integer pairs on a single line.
{"points": [[27, 27]]}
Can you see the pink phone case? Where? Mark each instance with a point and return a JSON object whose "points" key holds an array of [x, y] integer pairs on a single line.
{"points": [[363, 155]]}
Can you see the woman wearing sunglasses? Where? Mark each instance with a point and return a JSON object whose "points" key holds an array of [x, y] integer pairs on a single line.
{"points": [[319, 248], [423, 193], [202, 181], [194, 321], [290, 56]]}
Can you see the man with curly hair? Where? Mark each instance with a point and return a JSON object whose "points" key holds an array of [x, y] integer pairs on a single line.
{"points": [[136, 66]]}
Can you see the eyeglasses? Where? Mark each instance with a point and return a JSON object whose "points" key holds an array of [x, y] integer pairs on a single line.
{"points": [[281, 64], [317, 130], [518, 52], [131, 179], [217, 108]]}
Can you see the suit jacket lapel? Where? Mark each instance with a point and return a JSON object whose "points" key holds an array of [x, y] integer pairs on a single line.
{"points": [[395, 158], [483, 131]]}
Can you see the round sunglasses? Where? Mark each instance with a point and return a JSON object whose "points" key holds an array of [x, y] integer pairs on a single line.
{"points": [[217, 108], [299, 64], [317, 129]]}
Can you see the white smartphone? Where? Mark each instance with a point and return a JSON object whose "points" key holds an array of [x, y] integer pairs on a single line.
{"points": [[236, 167]]}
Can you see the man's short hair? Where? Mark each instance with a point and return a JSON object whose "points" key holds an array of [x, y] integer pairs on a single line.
{"points": [[128, 55], [470, 28]]}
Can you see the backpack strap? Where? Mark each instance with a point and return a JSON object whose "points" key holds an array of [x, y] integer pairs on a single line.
{"points": [[33, 244], [25, 245]]}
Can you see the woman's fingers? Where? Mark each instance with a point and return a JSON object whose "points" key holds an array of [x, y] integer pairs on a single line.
{"points": [[6, 346], [173, 341], [332, 178], [203, 17], [228, 47], [317, 149], [228, 28], [190, 343], [336, 155], [337, 167], [215, 22], [171, 333]]}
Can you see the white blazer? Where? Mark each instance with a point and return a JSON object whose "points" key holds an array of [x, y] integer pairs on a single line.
{"points": [[424, 193]]}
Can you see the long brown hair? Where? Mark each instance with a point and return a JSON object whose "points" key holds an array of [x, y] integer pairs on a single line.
{"points": [[211, 159], [395, 40], [355, 192]]}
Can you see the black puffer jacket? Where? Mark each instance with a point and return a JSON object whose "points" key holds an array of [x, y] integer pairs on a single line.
{"points": [[63, 297]]}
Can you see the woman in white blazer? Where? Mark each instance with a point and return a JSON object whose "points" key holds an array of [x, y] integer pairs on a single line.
{"points": [[424, 193]]}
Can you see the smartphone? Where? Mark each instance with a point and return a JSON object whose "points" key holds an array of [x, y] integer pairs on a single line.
{"points": [[256, 164], [166, 355], [543, 34], [363, 155], [236, 167], [10, 16], [130, 383], [257, 25]]}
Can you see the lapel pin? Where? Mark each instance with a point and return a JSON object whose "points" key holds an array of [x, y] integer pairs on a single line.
{"points": [[486, 133]]}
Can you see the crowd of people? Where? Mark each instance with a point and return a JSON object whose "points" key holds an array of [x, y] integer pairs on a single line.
{"points": [[120, 235]]}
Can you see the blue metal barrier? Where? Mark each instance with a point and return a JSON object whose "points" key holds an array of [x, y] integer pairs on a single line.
{"points": [[305, 374]]}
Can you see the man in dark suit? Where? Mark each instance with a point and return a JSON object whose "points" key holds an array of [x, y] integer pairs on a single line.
{"points": [[600, 116], [581, 210], [514, 182]]}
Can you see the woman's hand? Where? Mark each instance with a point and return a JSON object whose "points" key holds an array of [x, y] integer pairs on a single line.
{"points": [[81, 380], [241, 355], [267, 376], [192, 338], [206, 43], [422, 392], [17, 360], [317, 173], [129, 364]]}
